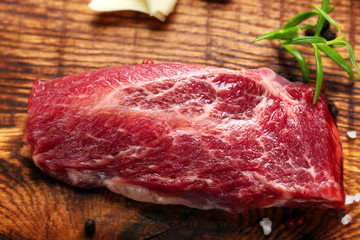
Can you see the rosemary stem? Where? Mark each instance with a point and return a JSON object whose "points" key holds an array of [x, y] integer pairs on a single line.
{"points": [[335, 41]]}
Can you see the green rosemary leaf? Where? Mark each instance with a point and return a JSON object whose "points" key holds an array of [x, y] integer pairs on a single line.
{"points": [[319, 73], [269, 35], [321, 19], [302, 17], [334, 55], [300, 59], [352, 56], [298, 19], [280, 34], [327, 17], [305, 27], [302, 40]]}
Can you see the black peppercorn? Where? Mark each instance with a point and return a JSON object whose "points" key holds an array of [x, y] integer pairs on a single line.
{"points": [[325, 26], [89, 226], [326, 32], [329, 34], [310, 32]]}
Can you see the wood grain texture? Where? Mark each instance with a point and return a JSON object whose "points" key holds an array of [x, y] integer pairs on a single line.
{"points": [[48, 39]]}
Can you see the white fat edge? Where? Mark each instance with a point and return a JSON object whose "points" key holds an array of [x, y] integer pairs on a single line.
{"points": [[85, 176], [281, 203], [135, 192], [285, 189], [192, 177], [142, 194], [287, 192], [288, 197]]}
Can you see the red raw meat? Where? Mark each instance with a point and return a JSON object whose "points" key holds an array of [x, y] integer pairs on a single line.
{"points": [[199, 136]]}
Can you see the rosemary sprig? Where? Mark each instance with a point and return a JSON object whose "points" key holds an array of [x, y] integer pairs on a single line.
{"points": [[319, 73], [290, 33]]}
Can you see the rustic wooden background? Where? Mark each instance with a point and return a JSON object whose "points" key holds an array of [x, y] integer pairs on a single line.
{"points": [[48, 39]]}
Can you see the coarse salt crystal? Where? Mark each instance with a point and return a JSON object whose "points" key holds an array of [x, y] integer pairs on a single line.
{"points": [[357, 197], [351, 134], [346, 219], [349, 199], [265, 223]]}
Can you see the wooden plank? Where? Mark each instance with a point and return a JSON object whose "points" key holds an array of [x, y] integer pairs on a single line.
{"points": [[49, 39]]}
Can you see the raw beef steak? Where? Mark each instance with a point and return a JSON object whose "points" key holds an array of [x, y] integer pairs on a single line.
{"points": [[199, 136]]}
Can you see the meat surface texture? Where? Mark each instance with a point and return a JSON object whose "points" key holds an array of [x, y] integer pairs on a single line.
{"points": [[204, 137]]}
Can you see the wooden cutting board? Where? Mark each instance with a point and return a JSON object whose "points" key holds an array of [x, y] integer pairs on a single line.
{"points": [[48, 39]]}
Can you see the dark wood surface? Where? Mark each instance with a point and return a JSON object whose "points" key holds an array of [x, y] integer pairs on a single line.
{"points": [[48, 39]]}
